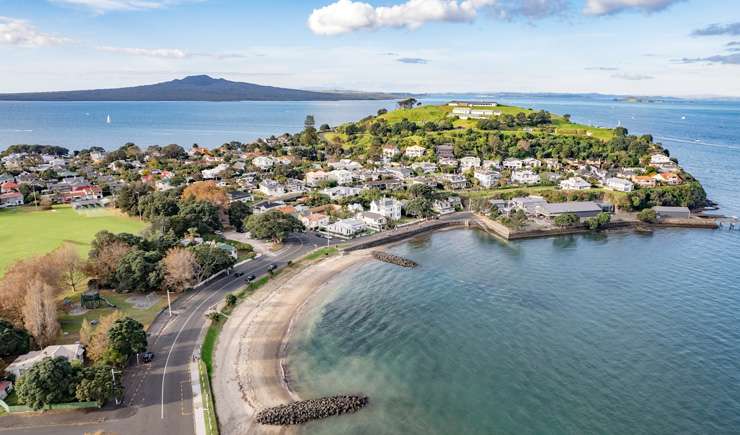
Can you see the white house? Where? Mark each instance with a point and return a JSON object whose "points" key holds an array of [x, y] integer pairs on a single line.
{"points": [[472, 113], [486, 177], [619, 184], [11, 199], [454, 181], [263, 162], [210, 174], [513, 164], [341, 176], [315, 178], [21, 364], [524, 177], [575, 183], [346, 227], [372, 220], [315, 220], [415, 151], [660, 159], [388, 207], [271, 188], [341, 192], [530, 162], [390, 151], [426, 167], [442, 206], [469, 162]]}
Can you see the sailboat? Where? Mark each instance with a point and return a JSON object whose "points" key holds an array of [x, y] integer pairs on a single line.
{"points": [[107, 120]]}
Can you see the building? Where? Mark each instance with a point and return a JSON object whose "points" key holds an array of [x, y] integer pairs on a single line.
{"points": [[530, 162], [11, 199], [469, 163], [474, 113], [513, 164], [425, 167], [388, 207], [341, 176], [644, 180], [315, 178], [525, 177], [213, 173], [442, 206], [267, 206], [619, 184], [672, 212], [82, 193], [271, 188], [446, 161], [660, 159], [346, 227], [472, 104], [341, 192], [70, 352], [575, 183], [445, 151], [671, 178], [390, 151], [454, 181], [263, 162], [582, 209], [315, 221], [374, 221], [486, 177], [415, 151], [527, 203]]}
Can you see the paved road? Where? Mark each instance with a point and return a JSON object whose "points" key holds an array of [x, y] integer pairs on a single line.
{"points": [[158, 396]]}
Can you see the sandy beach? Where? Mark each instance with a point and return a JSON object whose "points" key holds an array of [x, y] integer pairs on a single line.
{"points": [[250, 355]]}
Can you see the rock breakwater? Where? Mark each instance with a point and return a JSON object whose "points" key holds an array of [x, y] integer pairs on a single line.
{"points": [[393, 259], [308, 410]]}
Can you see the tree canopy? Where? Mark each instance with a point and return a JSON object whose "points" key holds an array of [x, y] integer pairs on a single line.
{"points": [[274, 225]]}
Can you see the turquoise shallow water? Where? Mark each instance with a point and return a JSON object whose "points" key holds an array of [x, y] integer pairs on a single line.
{"points": [[617, 334]]}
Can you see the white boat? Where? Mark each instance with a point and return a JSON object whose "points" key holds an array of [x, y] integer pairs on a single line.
{"points": [[107, 120], [683, 117]]}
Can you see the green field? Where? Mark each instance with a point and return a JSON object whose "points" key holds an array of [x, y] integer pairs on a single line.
{"points": [[25, 232]]}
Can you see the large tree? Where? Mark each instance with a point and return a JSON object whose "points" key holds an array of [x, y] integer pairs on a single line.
{"points": [[70, 265], [13, 341], [49, 381], [211, 259], [97, 384], [181, 268], [40, 312], [274, 225], [139, 271], [238, 211], [207, 191], [95, 338], [125, 338]]}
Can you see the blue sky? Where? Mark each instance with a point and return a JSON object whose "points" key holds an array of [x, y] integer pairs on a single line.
{"points": [[647, 47]]}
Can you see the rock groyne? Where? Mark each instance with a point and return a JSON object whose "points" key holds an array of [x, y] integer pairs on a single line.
{"points": [[393, 259], [308, 410]]}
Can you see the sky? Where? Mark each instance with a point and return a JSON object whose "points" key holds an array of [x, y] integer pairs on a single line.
{"points": [[628, 47]]}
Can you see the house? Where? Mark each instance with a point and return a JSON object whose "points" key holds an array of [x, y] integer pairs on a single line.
{"points": [[672, 212], [271, 188], [388, 207], [341, 192], [6, 387], [469, 163], [213, 173], [671, 178], [473, 113], [491, 164], [400, 173], [445, 151], [575, 183], [513, 164], [374, 221], [71, 352], [582, 209], [472, 104], [446, 161], [293, 185], [238, 196], [524, 177], [619, 184], [453, 181], [263, 162], [315, 178], [660, 159], [527, 203], [267, 206], [315, 221], [414, 151], [553, 164], [390, 151], [530, 162], [8, 186], [341, 176], [347, 164], [346, 227], [442, 206], [486, 177], [11, 199], [355, 207], [386, 184], [644, 180], [82, 193], [425, 167]]}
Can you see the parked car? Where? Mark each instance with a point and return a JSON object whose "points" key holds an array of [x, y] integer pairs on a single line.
{"points": [[251, 278], [147, 357], [238, 274], [271, 267]]}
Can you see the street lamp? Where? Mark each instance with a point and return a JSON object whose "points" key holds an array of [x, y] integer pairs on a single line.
{"points": [[113, 373]]}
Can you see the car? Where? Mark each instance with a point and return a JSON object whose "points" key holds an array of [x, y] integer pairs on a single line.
{"points": [[147, 357], [251, 278], [272, 267], [238, 274]]}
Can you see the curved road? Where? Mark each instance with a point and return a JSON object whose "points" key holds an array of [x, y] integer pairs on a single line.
{"points": [[158, 396]]}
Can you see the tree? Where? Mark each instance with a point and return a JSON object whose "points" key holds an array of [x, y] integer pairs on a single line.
{"points": [[203, 216], [125, 338], [207, 191], [49, 381], [180, 268], [599, 222], [211, 259], [20, 276], [70, 266], [419, 207], [648, 215], [139, 270], [566, 220], [103, 261], [274, 225], [230, 300], [13, 341], [238, 211], [382, 112], [408, 103], [97, 384], [95, 338], [40, 312]]}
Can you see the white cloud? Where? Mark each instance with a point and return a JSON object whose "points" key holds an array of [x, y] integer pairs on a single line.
{"points": [[102, 6], [164, 53], [607, 7], [20, 32], [346, 16]]}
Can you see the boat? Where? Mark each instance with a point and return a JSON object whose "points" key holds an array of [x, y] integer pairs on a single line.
{"points": [[683, 117], [107, 120]]}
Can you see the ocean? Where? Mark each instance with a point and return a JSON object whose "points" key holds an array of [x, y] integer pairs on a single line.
{"points": [[609, 334]]}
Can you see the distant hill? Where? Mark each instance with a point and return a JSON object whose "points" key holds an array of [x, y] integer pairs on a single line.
{"points": [[196, 88]]}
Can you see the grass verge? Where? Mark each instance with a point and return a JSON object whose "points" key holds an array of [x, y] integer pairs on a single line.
{"points": [[209, 410]]}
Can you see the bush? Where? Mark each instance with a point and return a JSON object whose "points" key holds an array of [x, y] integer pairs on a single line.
{"points": [[230, 300], [648, 215]]}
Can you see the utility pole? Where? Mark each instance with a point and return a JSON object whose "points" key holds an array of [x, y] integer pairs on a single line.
{"points": [[169, 302], [113, 372]]}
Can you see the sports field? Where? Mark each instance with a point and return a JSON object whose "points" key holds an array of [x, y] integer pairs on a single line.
{"points": [[25, 232]]}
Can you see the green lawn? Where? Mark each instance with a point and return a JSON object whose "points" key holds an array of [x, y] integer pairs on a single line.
{"points": [[25, 232]]}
